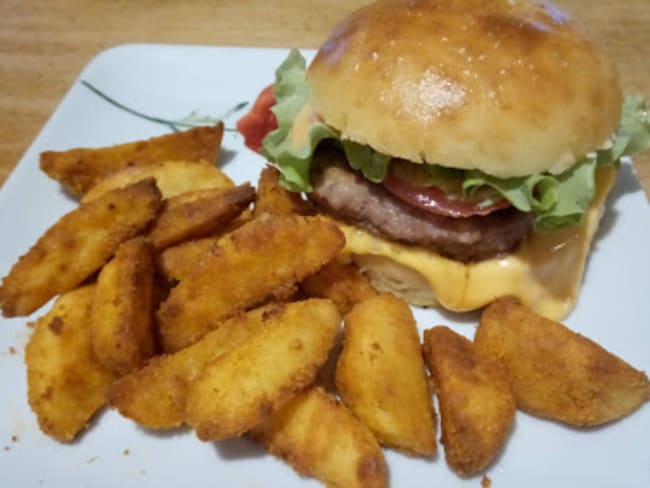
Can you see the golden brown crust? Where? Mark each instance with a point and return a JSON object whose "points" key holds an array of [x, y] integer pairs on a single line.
{"points": [[477, 407], [556, 373], [239, 280], [255, 379], [380, 338], [76, 246], [78, 170], [304, 431], [121, 325], [511, 88], [343, 283], [66, 385]]}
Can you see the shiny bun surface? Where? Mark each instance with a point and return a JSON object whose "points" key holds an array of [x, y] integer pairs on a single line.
{"points": [[510, 87]]}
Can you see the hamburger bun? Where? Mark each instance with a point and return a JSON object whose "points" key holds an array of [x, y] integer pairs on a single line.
{"points": [[511, 88]]}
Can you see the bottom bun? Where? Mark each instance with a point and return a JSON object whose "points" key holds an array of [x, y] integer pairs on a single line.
{"points": [[387, 275], [544, 272]]}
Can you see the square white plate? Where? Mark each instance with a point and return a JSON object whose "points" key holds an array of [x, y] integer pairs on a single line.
{"points": [[172, 81]]}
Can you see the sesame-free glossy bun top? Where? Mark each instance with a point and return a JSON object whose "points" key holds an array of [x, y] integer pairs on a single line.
{"points": [[511, 87]]}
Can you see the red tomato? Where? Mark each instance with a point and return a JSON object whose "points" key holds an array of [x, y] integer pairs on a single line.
{"points": [[259, 121], [434, 200]]}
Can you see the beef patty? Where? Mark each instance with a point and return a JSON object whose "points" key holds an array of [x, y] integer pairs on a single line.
{"points": [[343, 193]]}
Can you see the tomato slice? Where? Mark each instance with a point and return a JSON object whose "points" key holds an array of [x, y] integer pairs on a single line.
{"points": [[259, 121], [434, 200]]}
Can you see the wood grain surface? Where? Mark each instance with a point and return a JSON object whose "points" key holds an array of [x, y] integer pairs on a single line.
{"points": [[45, 44]]}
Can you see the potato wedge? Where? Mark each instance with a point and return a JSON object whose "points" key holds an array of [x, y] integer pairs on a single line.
{"points": [[275, 200], [320, 438], [198, 214], [76, 246], [477, 407], [381, 377], [263, 257], [78, 170], [155, 396], [343, 283], [249, 383], [179, 262], [66, 385], [556, 373], [121, 322], [172, 178]]}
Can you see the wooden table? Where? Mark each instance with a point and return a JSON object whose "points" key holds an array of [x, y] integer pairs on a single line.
{"points": [[44, 45]]}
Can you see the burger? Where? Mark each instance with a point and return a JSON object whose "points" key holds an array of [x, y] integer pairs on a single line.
{"points": [[465, 147]]}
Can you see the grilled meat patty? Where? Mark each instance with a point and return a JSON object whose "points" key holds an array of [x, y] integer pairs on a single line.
{"points": [[343, 193]]}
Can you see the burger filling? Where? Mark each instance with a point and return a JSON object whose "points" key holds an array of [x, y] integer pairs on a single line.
{"points": [[344, 193]]}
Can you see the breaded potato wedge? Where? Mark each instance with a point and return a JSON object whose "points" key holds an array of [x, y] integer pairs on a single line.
{"points": [[66, 385], [78, 170], [246, 385], [76, 246], [381, 377], [275, 200], [198, 214], [179, 262], [121, 322], [556, 373], [266, 256], [343, 283], [172, 178], [155, 396], [321, 438], [477, 407]]}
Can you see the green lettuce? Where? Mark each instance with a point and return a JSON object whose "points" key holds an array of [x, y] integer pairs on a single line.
{"points": [[373, 165], [555, 200], [292, 96], [294, 156], [561, 200]]}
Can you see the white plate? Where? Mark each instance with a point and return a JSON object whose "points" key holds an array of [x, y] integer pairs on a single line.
{"points": [[171, 82]]}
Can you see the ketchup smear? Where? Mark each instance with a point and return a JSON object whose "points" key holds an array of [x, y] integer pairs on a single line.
{"points": [[259, 121]]}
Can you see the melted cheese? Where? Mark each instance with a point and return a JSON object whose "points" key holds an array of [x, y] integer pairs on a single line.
{"points": [[545, 272]]}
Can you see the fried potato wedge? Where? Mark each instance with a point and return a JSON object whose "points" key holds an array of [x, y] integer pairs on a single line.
{"points": [[121, 322], [381, 377], [155, 396], [556, 373], [275, 200], [343, 283], [198, 214], [250, 382], [76, 246], [78, 170], [477, 407], [179, 262], [172, 178], [321, 438], [66, 385], [265, 256]]}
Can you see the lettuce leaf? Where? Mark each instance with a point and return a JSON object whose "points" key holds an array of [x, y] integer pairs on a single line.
{"points": [[292, 97], [556, 200], [373, 165], [292, 151], [561, 200]]}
